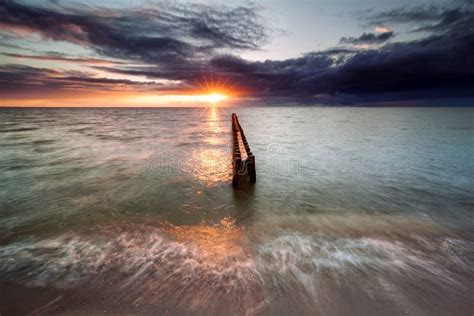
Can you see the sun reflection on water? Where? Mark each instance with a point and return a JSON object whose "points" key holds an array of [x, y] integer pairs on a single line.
{"points": [[211, 164], [216, 243]]}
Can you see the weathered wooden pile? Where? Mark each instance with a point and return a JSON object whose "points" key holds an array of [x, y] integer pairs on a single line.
{"points": [[243, 160]]}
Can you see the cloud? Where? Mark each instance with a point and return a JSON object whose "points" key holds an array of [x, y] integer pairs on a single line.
{"points": [[268, 78], [176, 46], [414, 14], [448, 20], [163, 32], [16, 80], [427, 18], [382, 29], [367, 38], [438, 66], [435, 67], [59, 57]]}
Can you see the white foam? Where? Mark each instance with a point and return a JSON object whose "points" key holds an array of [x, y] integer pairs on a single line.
{"points": [[197, 265]]}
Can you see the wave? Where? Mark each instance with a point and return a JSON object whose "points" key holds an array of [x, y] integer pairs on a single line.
{"points": [[197, 268], [187, 266]]}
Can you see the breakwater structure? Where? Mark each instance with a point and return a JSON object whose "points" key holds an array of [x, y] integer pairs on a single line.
{"points": [[243, 161]]}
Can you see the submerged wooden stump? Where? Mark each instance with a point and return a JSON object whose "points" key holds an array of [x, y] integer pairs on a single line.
{"points": [[243, 161]]}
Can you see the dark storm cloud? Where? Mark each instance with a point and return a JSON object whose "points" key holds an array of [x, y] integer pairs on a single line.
{"points": [[183, 44], [269, 78], [16, 80], [422, 68], [239, 70], [367, 38], [160, 33], [437, 66]]}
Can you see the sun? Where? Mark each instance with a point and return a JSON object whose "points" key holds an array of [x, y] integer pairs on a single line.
{"points": [[214, 98], [214, 89]]}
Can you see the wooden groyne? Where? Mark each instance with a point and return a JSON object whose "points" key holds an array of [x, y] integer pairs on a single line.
{"points": [[243, 160]]}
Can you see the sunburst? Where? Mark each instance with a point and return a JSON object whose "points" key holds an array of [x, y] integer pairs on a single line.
{"points": [[213, 89]]}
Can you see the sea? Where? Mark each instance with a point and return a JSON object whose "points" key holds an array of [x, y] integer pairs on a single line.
{"points": [[131, 211]]}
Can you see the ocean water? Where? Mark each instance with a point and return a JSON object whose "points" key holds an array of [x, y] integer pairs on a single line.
{"points": [[356, 211]]}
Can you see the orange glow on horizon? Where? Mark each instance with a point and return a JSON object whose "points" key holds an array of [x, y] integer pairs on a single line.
{"points": [[120, 99], [211, 99], [207, 93]]}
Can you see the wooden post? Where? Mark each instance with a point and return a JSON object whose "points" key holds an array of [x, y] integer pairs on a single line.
{"points": [[236, 175], [251, 169], [243, 162]]}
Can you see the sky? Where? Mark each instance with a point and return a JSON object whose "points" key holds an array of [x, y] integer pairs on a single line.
{"points": [[187, 53]]}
